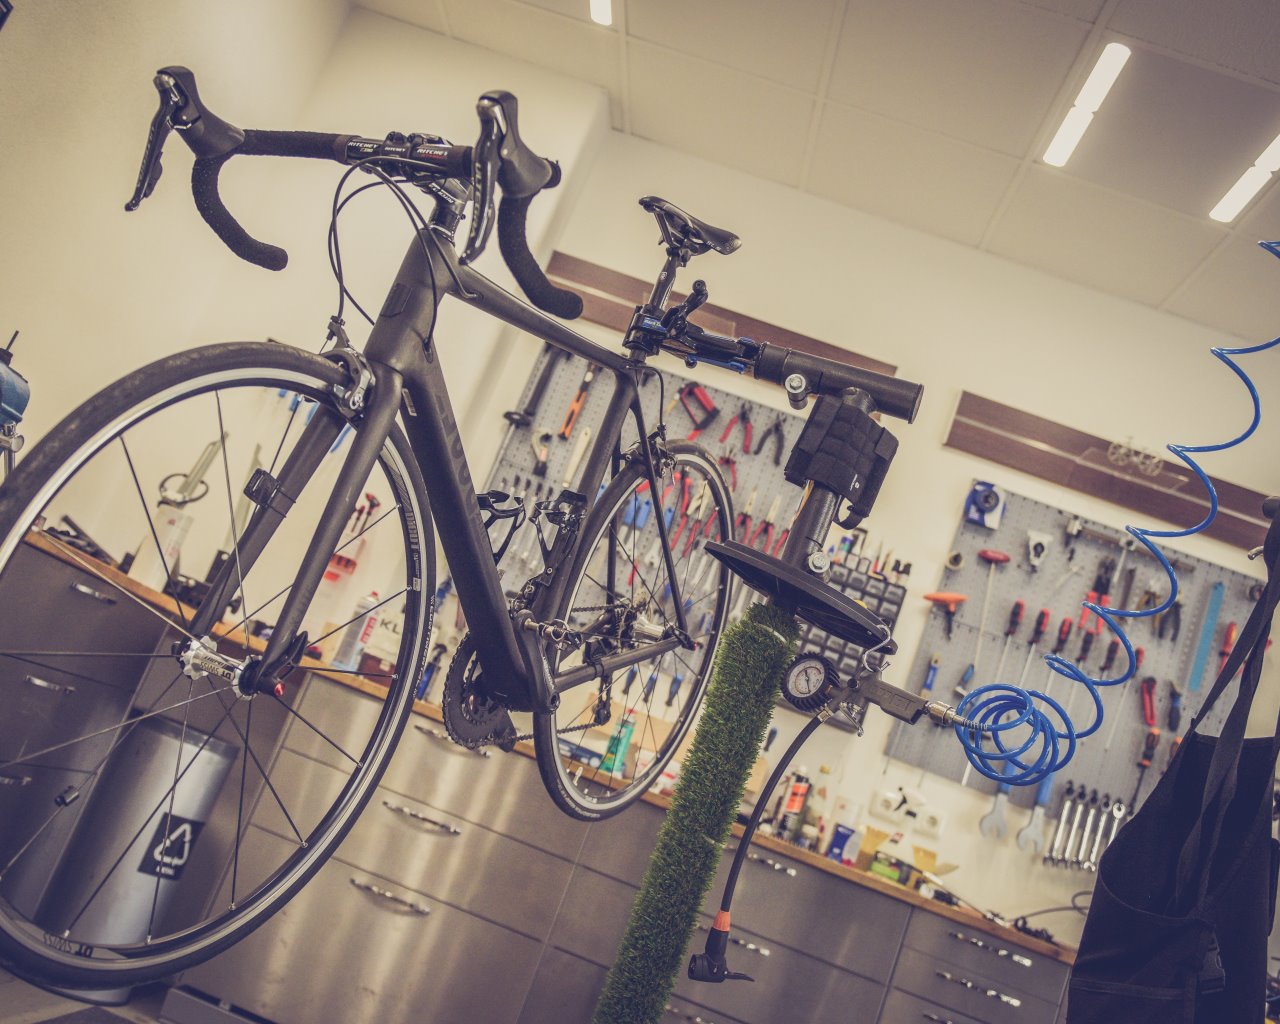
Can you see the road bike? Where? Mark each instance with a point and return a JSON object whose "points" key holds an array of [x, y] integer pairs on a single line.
{"points": [[120, 754]]}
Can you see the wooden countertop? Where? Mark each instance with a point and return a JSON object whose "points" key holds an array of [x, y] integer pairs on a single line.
{"points": [[959, 915]]}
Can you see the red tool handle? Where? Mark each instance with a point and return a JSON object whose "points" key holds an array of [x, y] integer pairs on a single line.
{"points": [[1149, 748], [1015, 617], [1042, 624], [1149, 700]]}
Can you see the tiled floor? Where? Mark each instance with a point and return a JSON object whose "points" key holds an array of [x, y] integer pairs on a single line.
{"points": [[21, 1003]]}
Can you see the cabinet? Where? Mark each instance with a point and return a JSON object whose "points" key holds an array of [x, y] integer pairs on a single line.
{"points": [[462, 894]]}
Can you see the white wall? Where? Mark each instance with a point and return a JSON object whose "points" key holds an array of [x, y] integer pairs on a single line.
{"points": [[953, 319]]}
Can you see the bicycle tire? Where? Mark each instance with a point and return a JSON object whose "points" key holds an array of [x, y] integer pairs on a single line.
{"points": [[147, 398], [577, 786]]}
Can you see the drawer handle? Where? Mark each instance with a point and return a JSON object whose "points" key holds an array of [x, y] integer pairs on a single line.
{"points": [[390, 897], [777, 865], [88, 591], [14, 780], [409, 812], [750, 947], [696, 1018], [44, 684], [973, 986], [436, 734], [1017, 958], [936, 1019]]}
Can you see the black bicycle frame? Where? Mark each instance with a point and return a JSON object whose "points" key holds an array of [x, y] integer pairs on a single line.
{"points": [[401, 353]]}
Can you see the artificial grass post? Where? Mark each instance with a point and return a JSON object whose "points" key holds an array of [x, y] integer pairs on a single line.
{"points": [[714, 776]]}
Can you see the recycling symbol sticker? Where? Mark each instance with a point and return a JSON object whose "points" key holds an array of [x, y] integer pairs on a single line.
{"points": [[170, 846]]}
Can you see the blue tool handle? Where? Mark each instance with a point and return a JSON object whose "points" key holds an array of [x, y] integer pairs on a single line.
{"points": [[1045, 791], [1009, 769], [1207, 629]]}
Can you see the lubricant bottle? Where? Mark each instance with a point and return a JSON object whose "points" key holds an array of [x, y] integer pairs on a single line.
{"points": [[793, 811], [356, 636], [615, 757]]}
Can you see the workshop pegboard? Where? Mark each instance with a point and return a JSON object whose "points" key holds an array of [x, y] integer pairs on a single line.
{"points": [[1074, 552]]}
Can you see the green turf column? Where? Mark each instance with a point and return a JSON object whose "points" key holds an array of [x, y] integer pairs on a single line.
{"points": [[739, 702]]}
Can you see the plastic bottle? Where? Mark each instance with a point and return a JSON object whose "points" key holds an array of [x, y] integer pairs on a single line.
{"points": [[616, 753], [797, 799], [356, 635]]}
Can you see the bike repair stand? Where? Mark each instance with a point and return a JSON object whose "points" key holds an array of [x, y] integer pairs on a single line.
{"points": [[843, 454], [15, 392]]}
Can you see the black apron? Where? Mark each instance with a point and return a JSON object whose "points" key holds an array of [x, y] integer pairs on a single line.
{"points": [[1177, 930]]}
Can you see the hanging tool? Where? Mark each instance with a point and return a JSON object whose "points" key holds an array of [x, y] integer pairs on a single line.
{"points": [[1138, 654], [1174, 720], [1086, 833], [1077, 812], [1090, 863], [743, 416], [540, 441], [1228, 642], [743, 521], [948, 602], [1147, 690], [1052, 854], [1170, 621], [193, 485], [1208, 628], [993, 558], [523, 417], [775, 432], [1117, 815], [1037, 547], [672, 693], [765, 526], [579, 401], [1031, 835], [1015, 620], [1037, 634], [992, 823], [1060, 645], [579, 450], [699, 407], [732, 464], [1149, 744], [930, 676]]}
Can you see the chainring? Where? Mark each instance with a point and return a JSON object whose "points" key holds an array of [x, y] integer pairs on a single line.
{"points": [[470, 719]]}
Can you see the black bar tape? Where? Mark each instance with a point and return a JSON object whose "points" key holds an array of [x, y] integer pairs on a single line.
{"points": [[204, 187], [515, 251]]}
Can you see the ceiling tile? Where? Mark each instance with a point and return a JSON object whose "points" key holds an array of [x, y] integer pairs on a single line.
{"points": [[1243, 35], [1085, 10], [579, 10], [1176, 133], [424, 13], [782, 42], [718, 113], [907, 174], [985, 71], [1100, 238], [577, 49]]}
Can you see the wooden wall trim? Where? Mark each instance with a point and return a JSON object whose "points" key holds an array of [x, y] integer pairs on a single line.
{"points": [[609, 298], [1078, 460]]}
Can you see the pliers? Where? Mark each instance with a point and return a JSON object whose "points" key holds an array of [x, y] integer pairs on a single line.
{"points": [[1171, 620], [742, 416], [742, 524], [765, 527], [779, 439]]}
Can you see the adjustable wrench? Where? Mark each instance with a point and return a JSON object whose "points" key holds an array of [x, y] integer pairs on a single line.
{"points": [[1091, 862], [1031, 835], [992, 824], [1055, 851], [1118, 811], [1076, 814], [1086, 834]]}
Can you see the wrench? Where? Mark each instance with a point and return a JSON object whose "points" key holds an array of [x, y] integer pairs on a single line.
{"points": [[992, 824], [1087, 832], [1031, 836], [1052, 854], [1076, 815], [1091, 862], [1118, 811]]}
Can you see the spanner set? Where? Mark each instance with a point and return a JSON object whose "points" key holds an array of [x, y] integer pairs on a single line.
{"points": [[1087, 825]]}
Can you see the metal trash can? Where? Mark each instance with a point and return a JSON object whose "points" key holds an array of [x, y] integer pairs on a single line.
{"points": [[110, 873]]}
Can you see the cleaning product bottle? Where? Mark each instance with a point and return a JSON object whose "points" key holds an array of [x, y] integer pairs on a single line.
{"points": [[356, 635], [615, 757], [793, 812]]}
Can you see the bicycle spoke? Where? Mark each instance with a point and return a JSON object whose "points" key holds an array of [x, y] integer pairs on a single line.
{"points": [[293, 413], [319, 732], [55, 668], [151, 524], [231, 512], [244, 771], [337, 629], [173, 792]]}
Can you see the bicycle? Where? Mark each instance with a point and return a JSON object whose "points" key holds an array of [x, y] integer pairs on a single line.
{"points": [[551, 648]]}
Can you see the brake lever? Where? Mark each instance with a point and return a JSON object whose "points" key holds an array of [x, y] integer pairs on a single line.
{"points": [[171, 100], [484, 177]]}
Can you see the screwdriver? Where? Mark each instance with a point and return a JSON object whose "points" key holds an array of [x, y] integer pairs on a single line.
{"points": [[1144, 762], [1015, 620], [1037, 634], [1060, 645], [1138, 654]]}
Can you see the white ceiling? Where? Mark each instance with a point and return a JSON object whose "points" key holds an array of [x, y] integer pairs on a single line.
{"points": [[933, 113]]}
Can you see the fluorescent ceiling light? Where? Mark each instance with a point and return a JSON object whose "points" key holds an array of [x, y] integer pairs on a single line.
{"points": [[602, 12], [1238, 196], [1092, 93]]}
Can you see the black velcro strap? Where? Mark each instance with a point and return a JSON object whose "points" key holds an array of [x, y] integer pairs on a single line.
{"points": [[842, 447]]}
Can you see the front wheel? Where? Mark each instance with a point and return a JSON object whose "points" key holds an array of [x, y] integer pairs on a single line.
{"points": [[145, 795], [611, 739]]}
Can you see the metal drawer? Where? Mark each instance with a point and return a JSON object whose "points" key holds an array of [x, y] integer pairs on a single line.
{"points": [[971, 992], [622, 845], [336, 953], [904, 1008], [503, 792], [411, 844], [968, 948], [789, 985], [831, 918]]}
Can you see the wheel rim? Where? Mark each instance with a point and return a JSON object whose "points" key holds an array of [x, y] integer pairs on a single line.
{"points": [[662, 711], [194, 875]]}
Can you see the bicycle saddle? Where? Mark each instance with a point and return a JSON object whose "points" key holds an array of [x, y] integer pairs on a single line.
{"points": [[687, 232]]}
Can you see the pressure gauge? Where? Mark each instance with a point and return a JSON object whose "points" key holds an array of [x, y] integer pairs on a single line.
{"points": [[808, 682]]}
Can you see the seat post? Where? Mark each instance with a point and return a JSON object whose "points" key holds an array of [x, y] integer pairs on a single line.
{"points": [[677, 257]]}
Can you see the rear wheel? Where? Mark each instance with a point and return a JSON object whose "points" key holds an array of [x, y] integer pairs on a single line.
{"points": [[611, 739], [139, 786]]}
